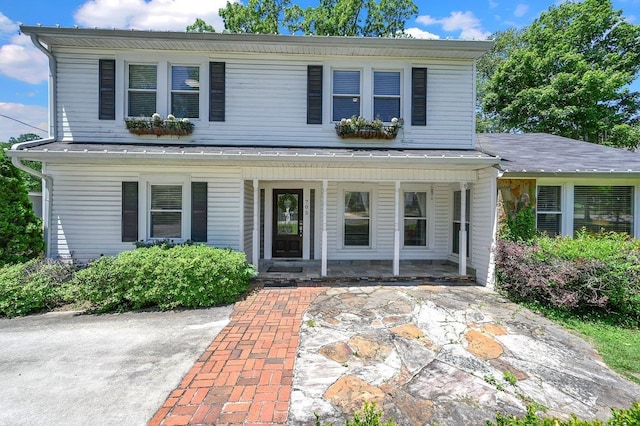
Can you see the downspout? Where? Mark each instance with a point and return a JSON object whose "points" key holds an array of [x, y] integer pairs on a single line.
{"points": [[47, 186]]}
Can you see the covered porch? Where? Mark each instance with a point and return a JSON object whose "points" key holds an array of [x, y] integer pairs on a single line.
{"points": [[309, 272]]}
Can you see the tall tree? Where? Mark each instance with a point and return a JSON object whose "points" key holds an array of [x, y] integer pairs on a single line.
{"points": [[20, 231], [258, 16], [568, 74], [368, 18]]}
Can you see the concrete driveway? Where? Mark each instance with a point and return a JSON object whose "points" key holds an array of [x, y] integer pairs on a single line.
{"points": [[70, 369]]}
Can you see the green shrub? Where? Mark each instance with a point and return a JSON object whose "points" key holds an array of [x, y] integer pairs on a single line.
{"points": [[21, 236], [185, 276], [370, 416], [585, 274], [34, 286], [628, 417], [521, 227]]}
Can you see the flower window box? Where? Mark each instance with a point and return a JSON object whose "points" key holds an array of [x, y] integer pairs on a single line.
{"points": [[155, 125], [361, 128]]}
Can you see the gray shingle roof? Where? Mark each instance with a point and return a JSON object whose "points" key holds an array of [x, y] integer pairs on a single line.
{"points": [[541, 153]]}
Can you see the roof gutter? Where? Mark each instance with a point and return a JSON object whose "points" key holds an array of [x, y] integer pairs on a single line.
{"points": [[47, 186]]}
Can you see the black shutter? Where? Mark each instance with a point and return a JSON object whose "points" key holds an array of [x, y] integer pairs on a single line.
{"points": [[314, 94], [419, 97], [216, 91], [199, 211], [107, 89], [129, 211]]}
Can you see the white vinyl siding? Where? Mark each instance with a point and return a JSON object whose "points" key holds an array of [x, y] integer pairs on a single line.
{"points": [[265, 101], [86, 211]]}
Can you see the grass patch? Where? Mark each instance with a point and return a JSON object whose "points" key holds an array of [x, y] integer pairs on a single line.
{"points": [[619, 346]]}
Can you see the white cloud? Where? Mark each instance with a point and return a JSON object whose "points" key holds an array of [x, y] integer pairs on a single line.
{"points": [[418, 33], [173, 15], [521, 10], [33, 115], [493, 4], [21, 60], [7, 26], [469, 26]]}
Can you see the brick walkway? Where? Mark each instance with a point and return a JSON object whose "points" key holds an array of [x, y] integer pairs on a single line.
{"points": [[244, 377]]}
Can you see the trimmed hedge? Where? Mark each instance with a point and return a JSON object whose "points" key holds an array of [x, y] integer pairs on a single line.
{"points": [[36, 286], [187, 276], [585, 274]]}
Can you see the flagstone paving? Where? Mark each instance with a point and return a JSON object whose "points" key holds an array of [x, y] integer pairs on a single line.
{"points": [[430, 355], [423, 354]]}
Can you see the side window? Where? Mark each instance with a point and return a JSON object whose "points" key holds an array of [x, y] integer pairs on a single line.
{"points": [[549, 210], [357, 218], [346, 94], [185, 91], [142, 90], [415, 219], [165, 211], [386, 95], [603, 208], [457, 220]]}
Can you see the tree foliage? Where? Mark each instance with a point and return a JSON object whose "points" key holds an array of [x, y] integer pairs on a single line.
{"points": [[200, 26], [367, 18], [32, 183], [566, 74], [20, 231]]}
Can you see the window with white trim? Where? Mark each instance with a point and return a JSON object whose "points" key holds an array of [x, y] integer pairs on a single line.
{"points": [[142, 90], [457, 220], [357, 219], [346, 94], [185, 91], [549, 209], [165, 211], [603, 208], [415, 219], [386, 95]]}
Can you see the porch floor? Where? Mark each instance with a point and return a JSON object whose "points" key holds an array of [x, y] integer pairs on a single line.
{"points": [[307, 272]]}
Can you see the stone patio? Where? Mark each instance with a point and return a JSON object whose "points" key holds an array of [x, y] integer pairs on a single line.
{"points": [[307, 272]]}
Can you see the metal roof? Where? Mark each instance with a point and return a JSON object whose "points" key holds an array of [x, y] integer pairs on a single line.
{"points": [[90, 152], [543, 154], [257, 43]]}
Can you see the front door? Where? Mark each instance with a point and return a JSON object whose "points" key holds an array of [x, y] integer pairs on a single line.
{"points": [[287, 223]]}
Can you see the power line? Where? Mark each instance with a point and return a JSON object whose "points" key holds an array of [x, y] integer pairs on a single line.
{"points": [[22, 122]]}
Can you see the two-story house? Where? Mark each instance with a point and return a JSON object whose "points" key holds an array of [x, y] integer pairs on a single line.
{"points": [[261, 166]]}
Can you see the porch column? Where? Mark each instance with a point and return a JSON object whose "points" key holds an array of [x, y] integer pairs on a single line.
{"points": [[462, 256], [256, 224], [396, 233], [323, 268]]}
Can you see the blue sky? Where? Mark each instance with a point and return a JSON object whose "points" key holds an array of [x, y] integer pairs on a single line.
{"points": [[23, 69]]}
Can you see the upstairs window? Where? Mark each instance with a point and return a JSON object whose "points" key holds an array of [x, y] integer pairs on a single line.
{"points": [[142, 92], [346, 94], [386, 95], [185, 91]]}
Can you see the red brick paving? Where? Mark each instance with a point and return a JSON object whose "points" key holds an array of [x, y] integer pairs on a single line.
{"points": [[245, 376]]}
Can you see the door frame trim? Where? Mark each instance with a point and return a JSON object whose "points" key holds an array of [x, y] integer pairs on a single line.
{"points": [[306, 187]]}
